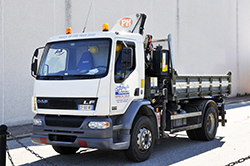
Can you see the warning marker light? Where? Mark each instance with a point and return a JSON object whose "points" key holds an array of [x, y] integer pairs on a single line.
{"points": [[105, 27], [68, 31]]}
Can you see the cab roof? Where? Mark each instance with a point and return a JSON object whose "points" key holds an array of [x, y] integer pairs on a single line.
{"points": [[93, 35]]}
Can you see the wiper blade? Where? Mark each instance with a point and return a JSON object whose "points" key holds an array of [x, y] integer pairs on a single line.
{"points": [[83, 76], [51, 77]]}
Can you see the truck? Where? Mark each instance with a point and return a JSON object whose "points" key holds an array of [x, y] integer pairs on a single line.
{"points": [[119, 90]]}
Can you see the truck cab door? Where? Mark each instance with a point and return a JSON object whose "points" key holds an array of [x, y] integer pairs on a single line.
{"points": [[125, 81]]}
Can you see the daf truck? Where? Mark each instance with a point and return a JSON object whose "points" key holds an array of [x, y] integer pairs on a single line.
{"points": [[118, 89]]}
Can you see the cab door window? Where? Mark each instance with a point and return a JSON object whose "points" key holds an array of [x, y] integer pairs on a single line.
{"points": [[121, 72]]}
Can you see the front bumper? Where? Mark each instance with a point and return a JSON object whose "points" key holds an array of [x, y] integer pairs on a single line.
{"points": [[105, 143], [65, 134]]}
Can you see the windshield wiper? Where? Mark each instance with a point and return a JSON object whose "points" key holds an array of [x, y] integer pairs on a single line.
{"points": [[82, 76], [51, 78]]}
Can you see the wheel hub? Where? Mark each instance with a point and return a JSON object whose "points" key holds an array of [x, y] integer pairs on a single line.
{"points": [[210, 123], [144, 141]]}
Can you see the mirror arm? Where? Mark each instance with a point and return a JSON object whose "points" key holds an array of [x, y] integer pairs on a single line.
{"points": [[125, 44]]}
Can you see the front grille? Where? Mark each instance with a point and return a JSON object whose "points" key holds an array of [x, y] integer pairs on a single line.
{"points": [[64, 103], [64, 121]]}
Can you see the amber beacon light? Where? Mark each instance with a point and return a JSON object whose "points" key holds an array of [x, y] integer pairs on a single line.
{"points": [[68, 31], [105, 27]]}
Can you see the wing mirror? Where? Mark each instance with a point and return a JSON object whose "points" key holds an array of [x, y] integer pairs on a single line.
{"points": [[127, 57], [34, 62]]}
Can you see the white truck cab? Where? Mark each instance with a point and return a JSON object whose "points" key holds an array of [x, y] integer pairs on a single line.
{"points": [[89, 66]]}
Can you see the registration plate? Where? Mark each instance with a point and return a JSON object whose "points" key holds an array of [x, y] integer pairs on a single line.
{"points": [[85, 107]]}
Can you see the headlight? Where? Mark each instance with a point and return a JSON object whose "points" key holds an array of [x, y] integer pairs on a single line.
{"points": [[37, 122], [99, 125]]}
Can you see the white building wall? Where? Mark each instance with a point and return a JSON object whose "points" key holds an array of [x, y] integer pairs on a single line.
{"points": [[209, 37], [24, 26], [242, 79]]}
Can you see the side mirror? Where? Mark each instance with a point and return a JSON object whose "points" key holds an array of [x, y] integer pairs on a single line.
{"points": [[36, 52], [127, 57], [34, 62], [34, 68]]}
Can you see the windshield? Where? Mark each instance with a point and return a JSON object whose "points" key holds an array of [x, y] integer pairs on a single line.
{"points": [[76, 59]]}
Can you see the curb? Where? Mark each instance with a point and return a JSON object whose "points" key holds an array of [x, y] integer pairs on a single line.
{"points": [[239, 101]]}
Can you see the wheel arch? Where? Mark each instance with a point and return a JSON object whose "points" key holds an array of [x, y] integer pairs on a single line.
{"points": [[138, 107], [149, 112], [210, 103]]}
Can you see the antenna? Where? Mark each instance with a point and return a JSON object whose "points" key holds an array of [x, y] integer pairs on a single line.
{"points": [[87, 18]]}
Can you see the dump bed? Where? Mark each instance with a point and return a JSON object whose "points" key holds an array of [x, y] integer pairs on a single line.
{"points": [[187, 87]]}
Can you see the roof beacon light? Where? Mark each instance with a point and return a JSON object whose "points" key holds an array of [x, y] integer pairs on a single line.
{"points": [[68, 31], [105, 27]]}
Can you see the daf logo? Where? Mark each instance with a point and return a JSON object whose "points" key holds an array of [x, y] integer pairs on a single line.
{"points": [[89, 102], [43, 101]]}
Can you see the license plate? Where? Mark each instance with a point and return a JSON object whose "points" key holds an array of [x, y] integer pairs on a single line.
{"points": [[85, 107]]}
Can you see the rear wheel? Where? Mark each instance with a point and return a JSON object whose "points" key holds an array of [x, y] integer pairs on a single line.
{"points": [[142, 140], [192, 134], [209, 126], [65, 150]]}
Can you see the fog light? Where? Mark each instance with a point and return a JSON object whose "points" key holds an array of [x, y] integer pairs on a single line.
{"points": [[37, 122], [99, 125]]}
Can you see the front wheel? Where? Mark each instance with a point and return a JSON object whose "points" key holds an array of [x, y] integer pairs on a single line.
{"points": [[142, 140], [65, 150]]}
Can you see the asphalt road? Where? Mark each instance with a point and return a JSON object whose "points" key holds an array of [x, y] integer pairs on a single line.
{"points": [[231, 143]]}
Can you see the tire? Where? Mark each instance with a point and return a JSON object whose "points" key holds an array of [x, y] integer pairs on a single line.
{"points": [[209, 125], [142, 140], [192, 134], [65, 150]]}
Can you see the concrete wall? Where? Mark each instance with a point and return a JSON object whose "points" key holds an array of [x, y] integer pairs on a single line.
{"points": [[209, 37]]}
